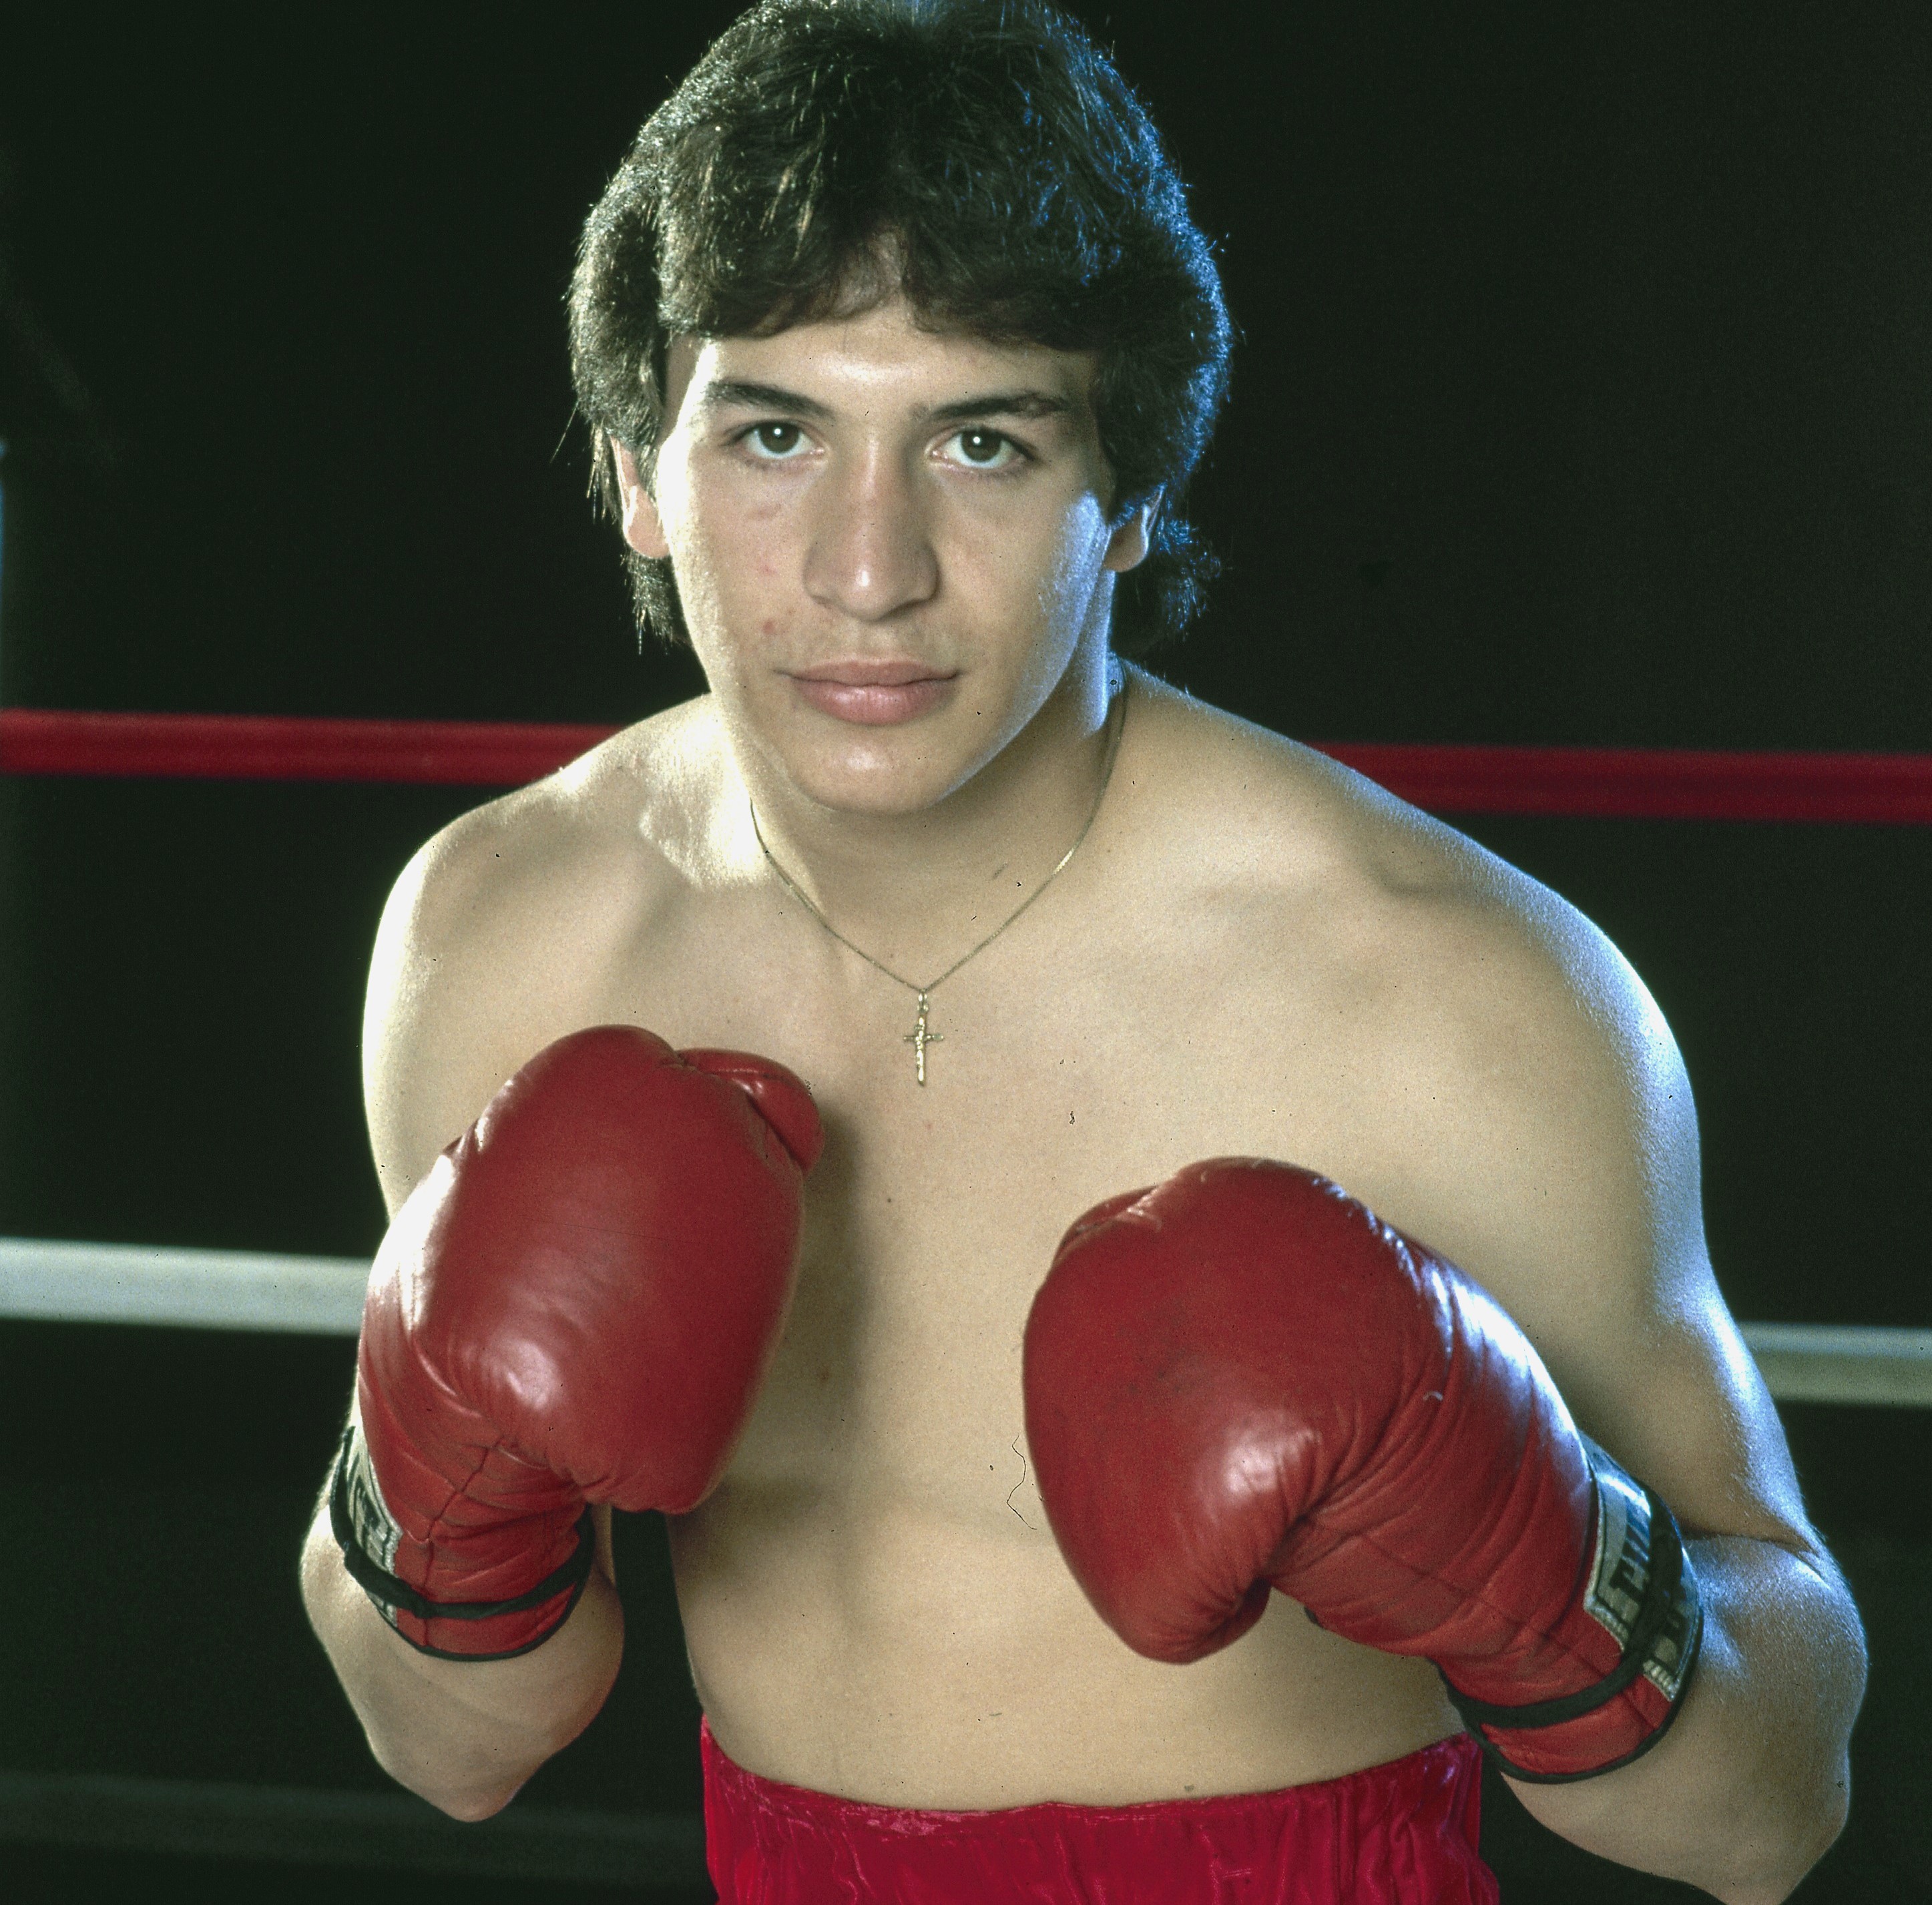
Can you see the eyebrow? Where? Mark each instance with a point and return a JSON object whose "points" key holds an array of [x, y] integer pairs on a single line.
{"points": [[737, 394], [1003, 404]]}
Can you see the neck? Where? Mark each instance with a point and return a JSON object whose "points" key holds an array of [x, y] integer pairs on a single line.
{"points": [[916, 890]]}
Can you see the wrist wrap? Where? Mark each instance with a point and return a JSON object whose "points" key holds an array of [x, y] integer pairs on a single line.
{"points": [[1640, 1587], [368, 1536]]}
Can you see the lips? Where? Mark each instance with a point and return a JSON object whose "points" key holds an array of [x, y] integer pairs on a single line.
{"points": [[862, 672], [873, 693]]}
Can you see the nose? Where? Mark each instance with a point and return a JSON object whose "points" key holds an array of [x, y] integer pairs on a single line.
{"points": [[870, 552]]}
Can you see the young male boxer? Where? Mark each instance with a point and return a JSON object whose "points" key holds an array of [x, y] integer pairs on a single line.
{"points": [[899, 346]]}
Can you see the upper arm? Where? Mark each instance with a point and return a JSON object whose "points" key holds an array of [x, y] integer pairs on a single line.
{"points": [[449, 1013], [1568, 1181], [406, 1057], [503, 933]]}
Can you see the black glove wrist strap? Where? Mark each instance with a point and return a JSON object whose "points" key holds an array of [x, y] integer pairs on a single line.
{"points": [[1640, 1586], [358, 1517]]}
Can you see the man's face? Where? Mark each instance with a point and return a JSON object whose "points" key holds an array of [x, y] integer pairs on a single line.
{"points": [[890, 545]]}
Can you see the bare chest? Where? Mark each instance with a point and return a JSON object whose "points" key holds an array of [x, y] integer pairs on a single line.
{"points": [[935, 1211], [873, 1599]]}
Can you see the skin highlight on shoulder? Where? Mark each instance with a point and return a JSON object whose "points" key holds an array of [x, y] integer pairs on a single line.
{"points": [[498, 933], [667, 784]]}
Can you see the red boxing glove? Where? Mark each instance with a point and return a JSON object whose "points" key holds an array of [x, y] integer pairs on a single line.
{"points": [[1243, 1379], [577, 1304]]}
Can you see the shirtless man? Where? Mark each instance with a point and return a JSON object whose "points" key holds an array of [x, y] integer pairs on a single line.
{"points": [[898, 435]]}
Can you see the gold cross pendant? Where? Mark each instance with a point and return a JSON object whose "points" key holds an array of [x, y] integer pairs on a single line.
{"points": [[919, 1038]]}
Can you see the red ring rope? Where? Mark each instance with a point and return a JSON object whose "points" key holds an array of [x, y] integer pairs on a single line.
{"points": [[287, 747], [1622, 783]]}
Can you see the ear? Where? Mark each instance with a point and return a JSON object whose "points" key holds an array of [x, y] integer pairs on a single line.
{"points": [[643, 530], [1132, 537]]}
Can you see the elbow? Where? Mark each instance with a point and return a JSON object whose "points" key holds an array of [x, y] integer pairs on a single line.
{"points": [[1817, 1800], [1827, 1820], [471, 1795], [472, 1808], [1810, 1831], [472, 1773]]}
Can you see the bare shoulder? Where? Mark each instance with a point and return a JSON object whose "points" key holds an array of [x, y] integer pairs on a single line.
{"points": [[1441, 934], [493, 937], [1499, 1083]]}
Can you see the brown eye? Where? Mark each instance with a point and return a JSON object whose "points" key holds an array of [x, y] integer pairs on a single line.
{"points": [[976, 448], [775, 440]]}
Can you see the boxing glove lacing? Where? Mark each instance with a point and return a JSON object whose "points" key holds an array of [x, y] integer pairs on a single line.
{"points": [[392, 1595], [1669, 1598]]}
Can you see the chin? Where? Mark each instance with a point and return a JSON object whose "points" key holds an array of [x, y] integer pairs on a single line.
{"points": [[885, 796], [881, 780]]}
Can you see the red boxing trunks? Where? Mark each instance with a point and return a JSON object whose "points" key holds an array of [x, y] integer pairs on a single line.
{"points": [[1404, 1834]]}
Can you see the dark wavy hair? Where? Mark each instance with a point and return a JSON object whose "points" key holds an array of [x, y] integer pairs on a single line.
{"points": [[980, 157]]}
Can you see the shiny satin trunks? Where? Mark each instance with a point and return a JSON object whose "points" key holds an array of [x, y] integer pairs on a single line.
{"points": [[1401, 1833]]}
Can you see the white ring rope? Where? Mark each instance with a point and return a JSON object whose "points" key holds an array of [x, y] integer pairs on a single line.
{"points": [[1843, 1363], [192, 1289], [322, 1296]]}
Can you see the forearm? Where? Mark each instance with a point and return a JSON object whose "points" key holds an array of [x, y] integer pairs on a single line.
{"points": [[465, 1735], [1750, 1786]]}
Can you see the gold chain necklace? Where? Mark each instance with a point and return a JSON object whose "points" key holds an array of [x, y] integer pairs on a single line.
{"points": [[920, 1036]]}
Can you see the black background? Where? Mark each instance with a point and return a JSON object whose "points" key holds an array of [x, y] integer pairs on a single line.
{"points": [[1585, 394]]}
